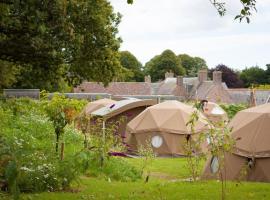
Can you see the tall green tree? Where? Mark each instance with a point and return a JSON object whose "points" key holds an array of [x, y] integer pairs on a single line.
{"points": [[253, 75], [130, 62], [96, 55], [8, 73], [192, 64], [59, 39], [165, 62], [268, 73]]}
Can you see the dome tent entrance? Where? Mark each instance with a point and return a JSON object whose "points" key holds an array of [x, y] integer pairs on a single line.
{"points": [[165, 125], [250, 130]]}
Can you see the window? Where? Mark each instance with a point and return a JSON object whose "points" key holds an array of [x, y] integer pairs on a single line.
{"points": [[214, 165], [217, 111], [251, 163], [156, 141]]}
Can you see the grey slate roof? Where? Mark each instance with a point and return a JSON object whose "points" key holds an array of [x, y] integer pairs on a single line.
{"points": [[215, 92], [242, 95]]}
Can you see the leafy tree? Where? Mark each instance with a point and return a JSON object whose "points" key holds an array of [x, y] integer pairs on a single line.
{"points": [[229, 76], [124, 75], [56, 39], [165, 62], [130, 62], [38, 77], [268, 73], [192, 64], [253, 75], [8, 72], [61, 111], [96, 48]]}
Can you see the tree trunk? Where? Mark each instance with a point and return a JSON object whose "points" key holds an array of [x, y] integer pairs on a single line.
{"points": [[85, 141], [57, 140], [62, 151]]}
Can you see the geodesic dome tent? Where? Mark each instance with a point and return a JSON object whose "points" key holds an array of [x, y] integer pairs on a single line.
{"points": [[250, 158], [214, 112], [95, 105], [128, 109], [165, 126]]}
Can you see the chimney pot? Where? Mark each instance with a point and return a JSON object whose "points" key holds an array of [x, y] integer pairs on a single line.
{"points": [[147, 79], [217, 77], [180, 81], [202, 75]]}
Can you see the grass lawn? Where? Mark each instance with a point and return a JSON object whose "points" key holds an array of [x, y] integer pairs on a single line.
{"points": [[166, 168], [164, 184]]}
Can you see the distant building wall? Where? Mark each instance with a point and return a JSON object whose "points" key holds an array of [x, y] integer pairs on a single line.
{"points": [[17, 93], [88, 96]]}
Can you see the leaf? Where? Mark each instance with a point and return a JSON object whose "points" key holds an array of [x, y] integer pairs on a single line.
{"points": [[237, 16]]}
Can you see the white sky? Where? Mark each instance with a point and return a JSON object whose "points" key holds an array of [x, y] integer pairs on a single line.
{"points": [[148, 27]]}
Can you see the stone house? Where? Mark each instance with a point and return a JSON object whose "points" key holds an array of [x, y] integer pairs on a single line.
{"points": [[188, 88]]}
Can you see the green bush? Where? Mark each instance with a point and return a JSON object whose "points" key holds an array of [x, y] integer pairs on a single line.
{"points": [[115, 168], [232, 109], [28, 161]]}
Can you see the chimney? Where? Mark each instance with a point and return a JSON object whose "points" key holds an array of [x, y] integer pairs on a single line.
{"points": [[217, 77], [180, 81], [202, 75], [147, 79]]}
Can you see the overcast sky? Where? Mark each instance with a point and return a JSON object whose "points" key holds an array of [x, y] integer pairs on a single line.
{"points": [[148, 27]]}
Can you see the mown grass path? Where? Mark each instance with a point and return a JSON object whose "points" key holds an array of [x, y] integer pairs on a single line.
{"points": [[164, 184]]}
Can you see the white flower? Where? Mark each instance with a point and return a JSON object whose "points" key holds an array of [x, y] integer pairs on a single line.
{"points": [[26, 169]]}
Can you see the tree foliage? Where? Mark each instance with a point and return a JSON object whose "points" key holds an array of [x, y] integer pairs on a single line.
{"points": [[130, 63], [268, 73], [61, 111], [254, 75], [229, 76], [192, 64], [57, 39], [165, 62], [8, 73]]}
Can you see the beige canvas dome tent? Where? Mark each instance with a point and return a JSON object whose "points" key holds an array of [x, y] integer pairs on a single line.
{"points": [[95, 105], [164, 125], [128, 108], [251, 154], [214, 112], [91, 107]]}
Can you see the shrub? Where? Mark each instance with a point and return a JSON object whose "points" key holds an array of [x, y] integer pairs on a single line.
{"points": [[61, 111], [115, 168], [28, 161], [232, 109]]}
